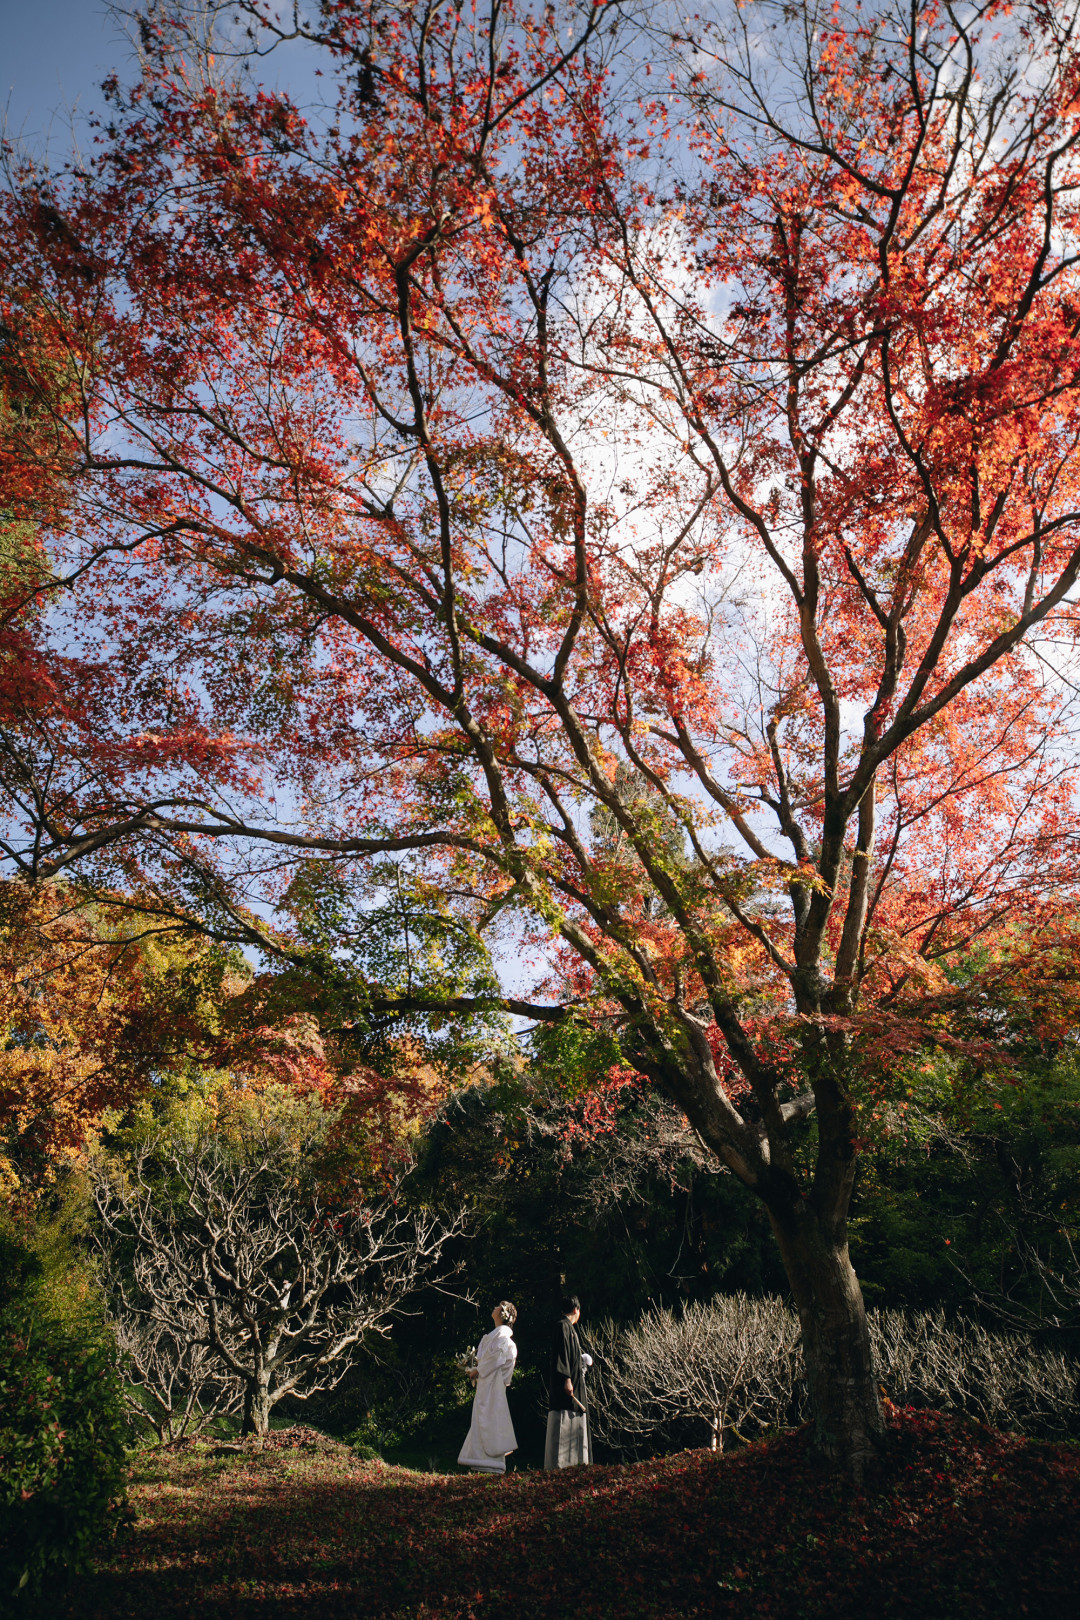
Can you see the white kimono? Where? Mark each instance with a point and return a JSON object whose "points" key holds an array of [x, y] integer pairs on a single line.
{"points": [[491, 1433]]}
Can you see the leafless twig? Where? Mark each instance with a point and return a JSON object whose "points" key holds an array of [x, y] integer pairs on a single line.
{"points": [[236, 1252], [734, 1367]]}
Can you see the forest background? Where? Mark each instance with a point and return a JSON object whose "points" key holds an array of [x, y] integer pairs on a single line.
{"points": [[505, 952]]}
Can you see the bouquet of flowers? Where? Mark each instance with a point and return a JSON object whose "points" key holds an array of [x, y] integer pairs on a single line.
{"points": [[466, 1363]]}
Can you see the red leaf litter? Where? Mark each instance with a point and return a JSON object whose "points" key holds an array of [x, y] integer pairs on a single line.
{"points": [[958, 1522]]}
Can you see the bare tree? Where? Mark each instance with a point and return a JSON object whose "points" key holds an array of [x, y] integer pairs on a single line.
{"points": [[234, 1245], [1006, 1380], [735, 1367], [173, 1382], [730, 1367]]}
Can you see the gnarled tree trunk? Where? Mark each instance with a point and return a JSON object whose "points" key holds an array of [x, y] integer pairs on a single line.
{"points": [[849, 1425], [257, 1405], [808, 1215]]}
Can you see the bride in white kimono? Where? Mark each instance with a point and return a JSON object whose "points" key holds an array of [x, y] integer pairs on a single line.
{"points": [[491, 1433]]}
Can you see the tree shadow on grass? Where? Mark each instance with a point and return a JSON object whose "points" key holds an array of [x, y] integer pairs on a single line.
{"points": [[384, 1543], [959, 1522]]}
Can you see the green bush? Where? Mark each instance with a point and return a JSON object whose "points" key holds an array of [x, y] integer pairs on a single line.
{"points": [[62, 1428]]}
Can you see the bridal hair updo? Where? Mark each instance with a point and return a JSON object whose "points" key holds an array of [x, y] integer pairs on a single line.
{"points": [[509, 1312]]}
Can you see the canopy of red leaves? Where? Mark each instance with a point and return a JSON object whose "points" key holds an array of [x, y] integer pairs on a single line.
{"points": [[642, 530]]}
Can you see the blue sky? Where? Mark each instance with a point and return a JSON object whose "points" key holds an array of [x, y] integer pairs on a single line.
{"points": [[55, 53], [53, 56]]}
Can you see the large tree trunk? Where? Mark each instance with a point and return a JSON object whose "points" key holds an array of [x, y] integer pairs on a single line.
{"points": [[257, 1405], [809, 1221], [849, 1425]]}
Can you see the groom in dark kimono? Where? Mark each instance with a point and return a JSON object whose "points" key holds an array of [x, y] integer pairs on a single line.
{"points": [[568, 1421]]}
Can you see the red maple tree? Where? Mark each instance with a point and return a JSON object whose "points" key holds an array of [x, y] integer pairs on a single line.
{"points": [[507, 498]]}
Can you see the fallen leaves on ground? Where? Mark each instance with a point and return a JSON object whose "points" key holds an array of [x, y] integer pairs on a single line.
{"points": [[958, 1521]]}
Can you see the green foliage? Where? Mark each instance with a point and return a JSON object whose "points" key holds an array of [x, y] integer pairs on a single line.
{"points": [[972, 1190], [212, 1106], [65, 1287], [573, 1057], [62, 1425], [382, 934], [391, 1405], [313, 1142]]}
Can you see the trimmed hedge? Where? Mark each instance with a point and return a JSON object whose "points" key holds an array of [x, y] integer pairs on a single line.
{"points": [[62, 1435]]}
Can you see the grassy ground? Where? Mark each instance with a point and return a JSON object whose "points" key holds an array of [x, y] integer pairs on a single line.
{"points": [[959, 1522]]}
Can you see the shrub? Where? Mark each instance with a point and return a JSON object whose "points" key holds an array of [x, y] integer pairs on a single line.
{"points": [[62, 1429], [1006, 1380], [728, 1368], [734, 1367]]}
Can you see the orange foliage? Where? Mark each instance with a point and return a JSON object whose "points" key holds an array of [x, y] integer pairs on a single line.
{"points": [[855, 395], [75, 1039], [649, 526]]}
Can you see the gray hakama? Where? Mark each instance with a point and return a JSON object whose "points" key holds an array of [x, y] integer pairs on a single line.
{"points": [[567, 1440]]}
